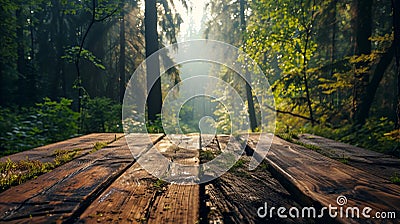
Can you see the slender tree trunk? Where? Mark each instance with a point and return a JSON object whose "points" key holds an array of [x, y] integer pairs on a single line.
{"points": [[305, 65], [58, 76], [60, 52], [396, 25], [249, 95], [2, 89], [122, 57], [154, 99], [372, 87], [21, 62], [363, 31], [31, 75], [305, 78], [333, 37], [77, 64], [333, 46]]}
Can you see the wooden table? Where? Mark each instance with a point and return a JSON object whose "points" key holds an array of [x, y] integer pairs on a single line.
{"points": [[110, 186]]}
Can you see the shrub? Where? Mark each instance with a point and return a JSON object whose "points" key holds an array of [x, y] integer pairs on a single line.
{"points": [[101, 115], [25, 128]]}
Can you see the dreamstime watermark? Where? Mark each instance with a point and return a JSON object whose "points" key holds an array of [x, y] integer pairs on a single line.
{"points": [[333, 211], [198, 84]]}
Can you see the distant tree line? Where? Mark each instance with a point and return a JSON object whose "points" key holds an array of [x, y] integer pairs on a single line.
{"points": [[44, 41], [64, 64]]}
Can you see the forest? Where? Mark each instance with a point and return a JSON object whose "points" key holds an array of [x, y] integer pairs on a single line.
{"points": [[332, 65]]}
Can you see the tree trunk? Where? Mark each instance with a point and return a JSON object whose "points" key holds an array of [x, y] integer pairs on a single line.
{"points": [[31, 75], [154, 99], [249, 95], [305, 64], [308, 95], [363, 31], [333, 48], [379, 71], [396, 26], [21, 62], [122, 57], [58, 37]]}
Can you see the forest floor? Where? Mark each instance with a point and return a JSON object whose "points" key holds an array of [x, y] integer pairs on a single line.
{"points": [[102, 182]]}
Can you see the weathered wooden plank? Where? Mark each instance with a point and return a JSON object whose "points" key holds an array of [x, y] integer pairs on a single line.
{"points": [[128, 199], [319, 180], [237, 195], [136, 196], [184, 158], [60, 194], [379, 164], [178, 204], [47, 153]]}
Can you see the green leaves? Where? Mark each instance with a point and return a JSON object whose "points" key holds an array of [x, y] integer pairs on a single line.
{"points": [[24, 128], [101, 115], [72, 53]]}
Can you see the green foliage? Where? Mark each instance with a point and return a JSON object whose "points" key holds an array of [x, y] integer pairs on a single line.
{"points": [[208, 155], [239, 169], [395, 179], [155, 126], [376, 134], [64, 156], [97, 146], [8, 48], [219, 28], [52, 121], [289, 136], [264, 166], [292, 136], [186, 121], [60, 152], [101, 115], [160, 185], [16, 172], [239, 164], [57, 119], [24, 128], [344, 159], [72, 53]]}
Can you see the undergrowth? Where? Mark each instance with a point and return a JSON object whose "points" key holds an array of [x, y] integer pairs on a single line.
{"points": [[377, 135]]}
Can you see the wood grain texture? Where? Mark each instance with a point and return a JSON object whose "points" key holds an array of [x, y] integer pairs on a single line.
{"points": [[319, 180], [236, 196], [46, 153], [57, 195], [136, 196], [378, 164], [114, 184]]}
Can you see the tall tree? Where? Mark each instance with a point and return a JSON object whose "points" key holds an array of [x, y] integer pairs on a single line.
{"points": [[122, 41], [396, 26], [367, 77], [154, 99], [308, 28], [21, 61], [363, 31], [249, 94], [8, 51]]}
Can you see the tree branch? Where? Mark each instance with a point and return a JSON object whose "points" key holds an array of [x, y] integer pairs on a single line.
{"points": [[292, 114], [106, 16]]}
